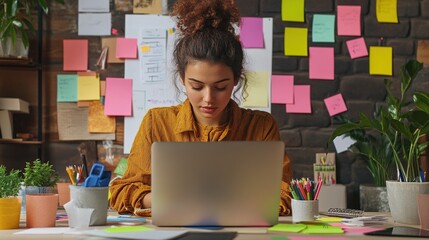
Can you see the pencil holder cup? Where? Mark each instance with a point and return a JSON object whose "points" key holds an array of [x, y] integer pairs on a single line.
{"points": [[90, 198], [304, 210]]}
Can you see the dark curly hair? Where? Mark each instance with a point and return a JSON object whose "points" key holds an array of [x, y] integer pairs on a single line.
{"points": [[207, 34]]}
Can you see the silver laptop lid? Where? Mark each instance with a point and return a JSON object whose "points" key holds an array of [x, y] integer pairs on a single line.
{"points": [[216, 183]]}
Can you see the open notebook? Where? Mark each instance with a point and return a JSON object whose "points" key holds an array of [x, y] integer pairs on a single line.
{"points": [[216, 183]]}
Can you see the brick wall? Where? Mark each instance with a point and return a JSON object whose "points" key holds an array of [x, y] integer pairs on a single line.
{"points": [[304, 134]]}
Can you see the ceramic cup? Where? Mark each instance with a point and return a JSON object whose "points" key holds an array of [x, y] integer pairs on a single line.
{"points": [[423, 208], [41, 210], [63, 193], [92, 197], [304, 210]]}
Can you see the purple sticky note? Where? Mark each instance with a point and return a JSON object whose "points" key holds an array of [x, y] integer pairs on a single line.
{"points": [[335, 104], [301, 100], [251, 32], [357, 48], [126, 48], [282, 88], [321, 63], [118, 97]]}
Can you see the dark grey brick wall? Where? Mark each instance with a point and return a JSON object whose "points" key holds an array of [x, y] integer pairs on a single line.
{"points": [[306, 134]]}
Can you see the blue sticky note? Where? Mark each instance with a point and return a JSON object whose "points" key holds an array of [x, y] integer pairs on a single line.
{"points": [[323, 28], [66, 88]]}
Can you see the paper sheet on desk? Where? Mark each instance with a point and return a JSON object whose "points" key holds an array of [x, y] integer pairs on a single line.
{"points": [[78, 217], [136, 232]]}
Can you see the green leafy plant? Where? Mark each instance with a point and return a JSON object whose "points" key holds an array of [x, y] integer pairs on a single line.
{"points": [[399, 125], [10, 183], [15, 18], [40, 174]]}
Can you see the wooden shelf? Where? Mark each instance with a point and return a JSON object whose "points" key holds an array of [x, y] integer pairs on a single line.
{"points": [[19, 141], [17, 62]]}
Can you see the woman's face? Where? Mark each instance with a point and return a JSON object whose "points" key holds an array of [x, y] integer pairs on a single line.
{"points": [[209, 88]]}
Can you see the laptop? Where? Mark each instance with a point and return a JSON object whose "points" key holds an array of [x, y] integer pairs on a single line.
{"points": [[235, 183]]}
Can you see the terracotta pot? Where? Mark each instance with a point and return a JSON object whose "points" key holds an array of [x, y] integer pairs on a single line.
{"points": [[63, 189], [41, 210], [10, 211]]}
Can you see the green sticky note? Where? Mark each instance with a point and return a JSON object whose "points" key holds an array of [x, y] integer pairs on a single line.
{"points": [[127, 229], [330, 219], [279, 238], [285, 227], [120, 168], [321, 229]]}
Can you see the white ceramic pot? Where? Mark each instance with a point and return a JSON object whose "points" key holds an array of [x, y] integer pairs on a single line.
{"points": [[403, 200]]}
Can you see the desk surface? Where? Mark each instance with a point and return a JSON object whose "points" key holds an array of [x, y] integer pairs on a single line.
{"points": [[243, 233]]}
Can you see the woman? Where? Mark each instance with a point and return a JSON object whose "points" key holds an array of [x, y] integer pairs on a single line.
{"points": [[209, 61]]}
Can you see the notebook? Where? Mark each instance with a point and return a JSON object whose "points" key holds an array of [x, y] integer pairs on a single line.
{"points": [[216, 183]]}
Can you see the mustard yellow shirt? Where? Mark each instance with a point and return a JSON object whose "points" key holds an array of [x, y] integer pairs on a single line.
{"points": [[178, 124]]}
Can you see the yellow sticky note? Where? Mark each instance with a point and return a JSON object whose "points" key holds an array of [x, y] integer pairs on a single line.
{"points": [[170, 31], [330, 219], [321, 229], [145, 48], [380, 60], [285, 227], [293, 10], [296, 41], [127, 229], [386, 11], [88, 88], [257, 89]]}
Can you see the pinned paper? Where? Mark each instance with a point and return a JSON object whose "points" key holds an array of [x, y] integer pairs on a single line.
{"points": [[94, 24], [323, 28], [282, 88], [380, 60], [88, 87], [342, 143], [295, 41], [75, 56], [126, 48], [66, 88], [257, 89], [118, 97], [110, 43], [301, 100], [293, 10], [386, 11], [151, 7], [251, 32], [335, 104], [423, 52], [348, 22], [321, 63], [78, 217], [357, 48]]}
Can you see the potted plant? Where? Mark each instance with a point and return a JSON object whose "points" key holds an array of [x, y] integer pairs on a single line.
{"points": [[16, 24], [10, 203], [401, 123], [40, 177]]}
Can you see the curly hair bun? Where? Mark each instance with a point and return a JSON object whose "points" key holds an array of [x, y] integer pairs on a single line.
{"points": [[196, 15]]}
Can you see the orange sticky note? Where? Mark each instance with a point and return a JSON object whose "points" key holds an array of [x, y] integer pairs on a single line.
{"points": [[75, 57]]}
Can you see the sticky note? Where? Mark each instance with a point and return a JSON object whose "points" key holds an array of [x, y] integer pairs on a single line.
{"points": [[251, 32], [357, 48], [75, 54], [380, 60], [118, 97], [145, 48], [257, 90], [285, 227], [88, 88], [321, 63], [126, 48], [301, 100], [335, 104], [386, 11], [282, 88], [321, 229], [295, 41], [348, 23], [323, 28], [66, 88], [293, 10]]}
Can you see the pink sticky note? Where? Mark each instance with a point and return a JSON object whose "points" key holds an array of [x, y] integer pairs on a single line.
{"points": [[335, 104], [118, 97], [75, 54], [321, 63], [126, 48], [353, 230], [282, 88], [348, 20], [251, 32], [357, 48], [114, 31], [301, 100], [315, 238]]}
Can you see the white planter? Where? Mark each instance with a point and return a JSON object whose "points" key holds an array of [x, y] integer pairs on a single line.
{"points": [[403, 200]]}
